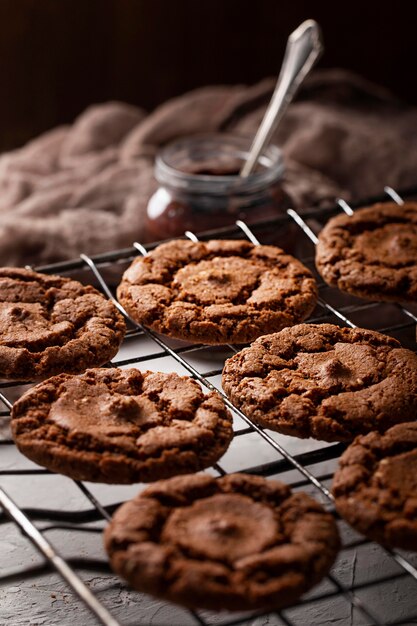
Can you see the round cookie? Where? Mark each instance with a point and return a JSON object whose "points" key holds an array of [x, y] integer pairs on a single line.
{"points": [[217, 292], [51, 324], [323, 381], [373, 253], [375, 488], [239, 542], [121, 426]]}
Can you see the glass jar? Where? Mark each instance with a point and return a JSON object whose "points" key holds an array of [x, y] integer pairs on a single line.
{"points": [[200, 187]]}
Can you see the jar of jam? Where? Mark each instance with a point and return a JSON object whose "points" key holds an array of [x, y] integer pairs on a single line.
{"points": [[200, 188]]}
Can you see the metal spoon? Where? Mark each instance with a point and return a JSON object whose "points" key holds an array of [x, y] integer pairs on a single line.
{"points": [[304, 47]]}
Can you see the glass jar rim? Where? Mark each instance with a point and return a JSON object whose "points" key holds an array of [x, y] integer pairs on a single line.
{"points": [[236, 146]]}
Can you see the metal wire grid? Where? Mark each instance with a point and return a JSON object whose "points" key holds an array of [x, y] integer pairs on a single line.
{"points": [[285, 461]]}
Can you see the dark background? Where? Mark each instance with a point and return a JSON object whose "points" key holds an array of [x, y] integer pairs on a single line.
{"points": [[58, 56]]}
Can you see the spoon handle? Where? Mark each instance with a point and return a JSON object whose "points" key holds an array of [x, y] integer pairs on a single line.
{"points": [[304, 47]]}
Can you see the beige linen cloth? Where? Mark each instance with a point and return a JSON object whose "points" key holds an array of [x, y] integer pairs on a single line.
{"points": [[84, 187]]}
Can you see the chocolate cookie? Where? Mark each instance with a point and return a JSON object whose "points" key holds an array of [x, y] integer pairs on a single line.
{"points": [[217, 292], [376, 486], [323, 381], [238, 542], [50, 324], [121, 426], [373, 253]]}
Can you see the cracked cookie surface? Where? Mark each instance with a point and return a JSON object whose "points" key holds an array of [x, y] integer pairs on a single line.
{"points": [[238, 542], [375, 487], [121, 426], [217, 292], [50, 324], [373, 253], [323, 381]]}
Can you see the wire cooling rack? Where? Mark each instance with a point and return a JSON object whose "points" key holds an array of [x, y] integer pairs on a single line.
{"points": [[368, 585]]}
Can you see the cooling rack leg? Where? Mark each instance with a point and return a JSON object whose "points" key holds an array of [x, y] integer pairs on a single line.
{"points": [[48, 551]]}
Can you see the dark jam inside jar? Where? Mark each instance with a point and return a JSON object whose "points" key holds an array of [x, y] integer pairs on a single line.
{"points": [[200, 187]]}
